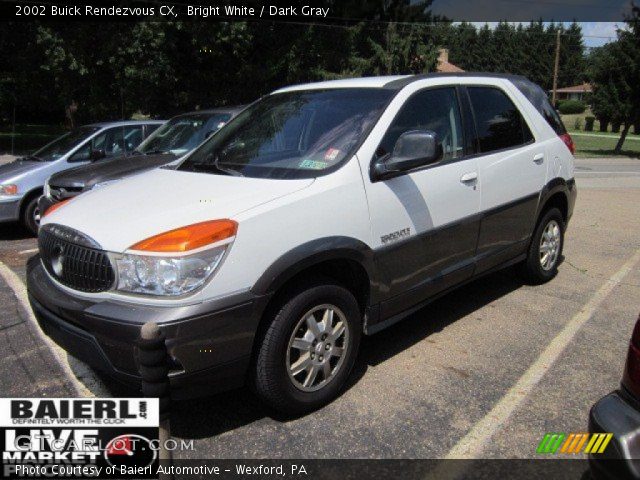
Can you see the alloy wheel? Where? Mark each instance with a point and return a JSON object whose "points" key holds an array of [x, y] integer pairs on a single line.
{"points": [[550, 245], [317, 348]]}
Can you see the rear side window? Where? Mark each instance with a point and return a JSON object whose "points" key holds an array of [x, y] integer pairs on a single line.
{"points": [[498, 121], [538, 98]]}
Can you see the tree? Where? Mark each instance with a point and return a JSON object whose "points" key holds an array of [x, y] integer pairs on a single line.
{"points": [[615, 73]]}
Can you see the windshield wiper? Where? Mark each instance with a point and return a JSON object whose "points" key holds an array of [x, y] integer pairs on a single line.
{"points": [[33, 157], [156, 152], [213, 166], [230, 171]]}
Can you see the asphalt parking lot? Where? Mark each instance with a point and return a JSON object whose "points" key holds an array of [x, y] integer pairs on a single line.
{"points": [[484, 372]]}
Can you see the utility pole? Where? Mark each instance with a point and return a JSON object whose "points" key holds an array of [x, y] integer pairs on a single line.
{"points": [[555, 69]]}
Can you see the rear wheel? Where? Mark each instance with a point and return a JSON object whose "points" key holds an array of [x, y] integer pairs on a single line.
{"points": [[545, 250], [31, 216], [309, 348]]}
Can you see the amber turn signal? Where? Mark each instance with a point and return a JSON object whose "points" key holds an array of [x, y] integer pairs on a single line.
{"points": [[55, 207], [188, 238]]}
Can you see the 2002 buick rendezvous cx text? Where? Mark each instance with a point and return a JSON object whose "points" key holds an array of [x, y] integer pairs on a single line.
{"points": [[321, 212]]}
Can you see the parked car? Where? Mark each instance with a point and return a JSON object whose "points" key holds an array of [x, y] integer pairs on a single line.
{"points": [[320, 213], [22, 181], [175, 138], [619, 414]]}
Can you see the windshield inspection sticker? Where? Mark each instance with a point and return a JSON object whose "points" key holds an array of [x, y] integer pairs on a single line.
{"points": [[79, 437], [331, 154], [313, 165]]}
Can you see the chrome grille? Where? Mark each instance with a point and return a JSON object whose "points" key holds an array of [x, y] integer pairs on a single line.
{"points": [[73, 260]]}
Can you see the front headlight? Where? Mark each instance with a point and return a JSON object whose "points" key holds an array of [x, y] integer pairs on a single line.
{"points": [[8, 190], [167, 275], [176, 262]]}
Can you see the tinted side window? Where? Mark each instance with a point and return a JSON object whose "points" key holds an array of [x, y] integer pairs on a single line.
{"points": [[434, 109], [539, 99], [498, 121]]}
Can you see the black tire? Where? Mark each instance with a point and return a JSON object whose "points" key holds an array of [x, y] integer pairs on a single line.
{"points": [[271, 378], [532, 268], [28, 216]]}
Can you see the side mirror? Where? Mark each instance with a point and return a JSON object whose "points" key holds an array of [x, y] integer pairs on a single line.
{"points": [[98, 154], [413, 149]]}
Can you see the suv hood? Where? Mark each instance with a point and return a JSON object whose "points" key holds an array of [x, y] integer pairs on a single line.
{"points": [[18, 167], [126, 212], [86, 177]]}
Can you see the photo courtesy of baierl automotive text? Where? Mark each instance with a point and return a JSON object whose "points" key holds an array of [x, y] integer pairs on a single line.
{"points": [[320, 239]]}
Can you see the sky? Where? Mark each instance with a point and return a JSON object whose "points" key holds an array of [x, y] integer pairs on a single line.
{"points": [[598, 33], [595, 34]]}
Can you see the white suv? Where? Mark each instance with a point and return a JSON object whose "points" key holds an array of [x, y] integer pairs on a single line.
{"points": [[321, 212]]}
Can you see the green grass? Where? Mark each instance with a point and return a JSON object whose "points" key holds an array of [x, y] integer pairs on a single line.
{"points": [[592, 146]]}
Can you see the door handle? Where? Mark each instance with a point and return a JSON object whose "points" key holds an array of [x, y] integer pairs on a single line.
{"points": [[469, 177], [539, 158]]}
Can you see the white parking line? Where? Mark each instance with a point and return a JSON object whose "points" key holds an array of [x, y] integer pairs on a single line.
{"points": [[25, 252], [472, 444], [82, 377]]}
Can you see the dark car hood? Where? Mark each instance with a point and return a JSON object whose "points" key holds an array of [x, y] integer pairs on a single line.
{"points": [[87, 176]]}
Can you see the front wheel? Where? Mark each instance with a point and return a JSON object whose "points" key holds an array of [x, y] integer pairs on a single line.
{"points": [[309, 348], [31, 216], [545, 250]]}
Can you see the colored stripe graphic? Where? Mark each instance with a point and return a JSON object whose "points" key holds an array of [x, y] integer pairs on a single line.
{"points": [[550, 443], [573, 443], [598, 443]]}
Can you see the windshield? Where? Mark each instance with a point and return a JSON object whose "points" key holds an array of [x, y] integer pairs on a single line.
{"points": [[61, 145], [293, 134], [182, 134]]}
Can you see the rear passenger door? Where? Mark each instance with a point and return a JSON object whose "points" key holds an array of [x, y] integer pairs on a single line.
{"points": [[512, 171], [424, 222]]}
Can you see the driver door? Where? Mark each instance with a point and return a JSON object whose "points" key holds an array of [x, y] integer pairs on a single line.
{"points": [[425, 222]]}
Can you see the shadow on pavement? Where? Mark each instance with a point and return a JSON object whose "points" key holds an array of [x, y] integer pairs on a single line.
{"points": [[14, 231], [206, 417]]}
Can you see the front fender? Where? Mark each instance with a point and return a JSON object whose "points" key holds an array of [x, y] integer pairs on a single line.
{"points": [[313, 253]]}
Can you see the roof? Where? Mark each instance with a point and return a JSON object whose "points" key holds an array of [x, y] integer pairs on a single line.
{"points": [[443, 64], [395, 82], [583, 88], [125, 123], [446, 67], [361, 82]]}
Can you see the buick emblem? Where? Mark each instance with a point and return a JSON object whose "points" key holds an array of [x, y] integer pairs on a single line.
{"points": [[57, 258]]}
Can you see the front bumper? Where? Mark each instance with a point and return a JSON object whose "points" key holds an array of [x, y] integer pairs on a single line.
{"points": [[210, 343], [616, 413], [10, 210]]}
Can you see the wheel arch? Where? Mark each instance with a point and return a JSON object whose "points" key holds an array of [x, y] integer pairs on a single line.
{"points": [[30, 195], [318, 256], [554, 194], [346, 260]]}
